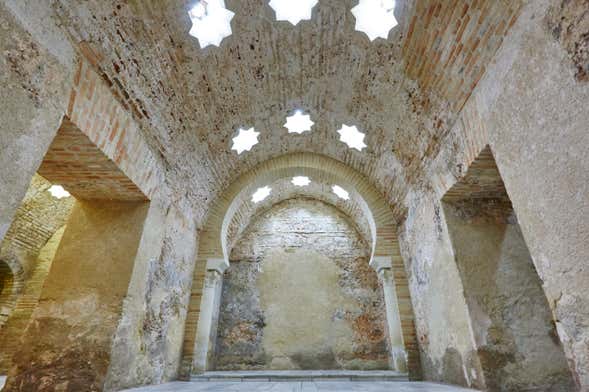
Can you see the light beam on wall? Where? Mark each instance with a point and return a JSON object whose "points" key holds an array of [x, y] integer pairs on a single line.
{"points": [[299, 122], [58, 192], [300, 181], [340, 192], [352, 137], [245, 140], [261, 194], [211, 22], [375, 18], [293, 10]]}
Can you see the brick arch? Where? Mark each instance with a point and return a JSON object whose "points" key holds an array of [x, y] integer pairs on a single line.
{"points": [[213, 236], [316, 166], [283, 190]]}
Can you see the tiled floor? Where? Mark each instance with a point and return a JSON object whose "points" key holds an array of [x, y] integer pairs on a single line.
{"points": [[302, 375], [301, 386]]}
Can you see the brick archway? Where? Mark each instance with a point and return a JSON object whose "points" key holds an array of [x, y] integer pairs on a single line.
{"points": [[213, 246]]}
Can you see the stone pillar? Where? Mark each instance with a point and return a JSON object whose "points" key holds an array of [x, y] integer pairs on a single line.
{"points": [[67, 344], [210, 304], [383, 267]]}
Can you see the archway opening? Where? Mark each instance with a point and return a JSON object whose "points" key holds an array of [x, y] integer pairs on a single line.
{"points": [[512, 322], [233, 212]]}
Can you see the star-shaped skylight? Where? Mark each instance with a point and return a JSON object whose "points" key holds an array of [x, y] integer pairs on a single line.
{"points": [[301, 181], [293, 10], [211, 22], [58, 192], [245, 140], [340, 192], [299, 122], [352, 137], [261, 194], [375, 17]]}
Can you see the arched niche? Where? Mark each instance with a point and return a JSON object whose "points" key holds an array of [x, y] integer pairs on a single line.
{"points": [[232, 207]]}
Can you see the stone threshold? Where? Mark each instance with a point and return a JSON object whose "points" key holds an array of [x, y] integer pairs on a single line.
{"points": [[301, 375]]}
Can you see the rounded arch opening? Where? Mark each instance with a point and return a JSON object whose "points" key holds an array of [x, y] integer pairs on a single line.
{"points": [[233, 205]]}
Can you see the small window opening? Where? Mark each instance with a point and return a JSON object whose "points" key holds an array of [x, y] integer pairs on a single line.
{"points": [[340, 192], [245, 140], [261, 194], [211, 22], [375, 18], [352, 137], [293, 11]]}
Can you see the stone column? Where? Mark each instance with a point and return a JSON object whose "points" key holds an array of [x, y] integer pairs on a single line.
{"points": [[210, 304], [383, 267]]}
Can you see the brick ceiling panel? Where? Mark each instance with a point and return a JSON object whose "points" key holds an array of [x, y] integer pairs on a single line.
{"points": [[78, 165]]}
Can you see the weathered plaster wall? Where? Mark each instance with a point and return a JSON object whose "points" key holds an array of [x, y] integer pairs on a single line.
{"points": [[532, 110], [444, 333], [68, 342], [34, 92], [300, 295], [148, 342], [512, 323]]}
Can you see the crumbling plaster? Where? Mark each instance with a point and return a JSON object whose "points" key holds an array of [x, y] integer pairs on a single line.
{"points": [[512, 324], [300, 295], [34, 86], [148, 341]]}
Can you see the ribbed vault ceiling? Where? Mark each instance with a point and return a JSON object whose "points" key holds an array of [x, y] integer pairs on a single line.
{"points": [[404, 93]]}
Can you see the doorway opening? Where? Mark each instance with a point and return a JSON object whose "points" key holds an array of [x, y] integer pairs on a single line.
{"points": [[512, 322]]}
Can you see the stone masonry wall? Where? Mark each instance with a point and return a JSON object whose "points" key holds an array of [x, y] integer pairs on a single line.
{"points": [[300, 295]]}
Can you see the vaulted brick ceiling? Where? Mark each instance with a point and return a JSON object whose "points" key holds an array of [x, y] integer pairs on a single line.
{"points": [[404, 92]]}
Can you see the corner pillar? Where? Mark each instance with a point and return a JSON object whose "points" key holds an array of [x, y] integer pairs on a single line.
{"points": [[383, 267], [210, 304]]}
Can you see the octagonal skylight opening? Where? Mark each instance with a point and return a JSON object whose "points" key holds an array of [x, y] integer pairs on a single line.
{"points": [[352, 137], [58, 192], [211, 22], [293, 11], [300, 181], [375, 18], [261, 193], [299, 122], [340, 192], [245, 140]]}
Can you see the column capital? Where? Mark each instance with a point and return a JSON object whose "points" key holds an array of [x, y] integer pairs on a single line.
{"points": [[219, 265], [379, 263]]}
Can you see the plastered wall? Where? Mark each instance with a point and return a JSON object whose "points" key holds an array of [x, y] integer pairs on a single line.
{"points": [[300, 295]]}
